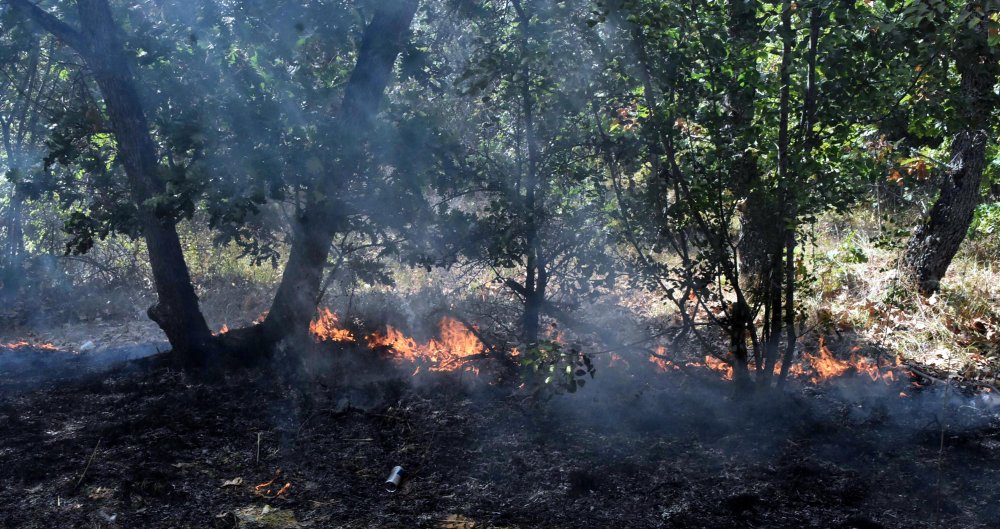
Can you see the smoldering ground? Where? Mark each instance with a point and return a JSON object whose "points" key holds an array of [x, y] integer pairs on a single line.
{"points": [[633, 447]]}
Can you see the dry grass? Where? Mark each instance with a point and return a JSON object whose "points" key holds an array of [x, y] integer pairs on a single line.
{"points": [[860, 289]]}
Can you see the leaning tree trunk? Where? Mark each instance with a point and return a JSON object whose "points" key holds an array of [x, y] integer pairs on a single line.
{"points": [[176, 311], [99, 43], [936, 241], [298, 293]]}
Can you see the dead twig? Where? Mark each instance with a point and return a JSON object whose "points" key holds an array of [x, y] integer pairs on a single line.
{"points": [[87, 467]]}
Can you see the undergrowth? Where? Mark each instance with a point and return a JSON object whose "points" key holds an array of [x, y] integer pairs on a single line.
{"points": [[858, 288]]}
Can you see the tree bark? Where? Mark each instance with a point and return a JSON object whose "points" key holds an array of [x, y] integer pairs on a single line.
{"points": [[755, 244], [936, 241]]}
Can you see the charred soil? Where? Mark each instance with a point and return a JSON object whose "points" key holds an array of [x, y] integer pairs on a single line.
{"points": [[157, 448]]}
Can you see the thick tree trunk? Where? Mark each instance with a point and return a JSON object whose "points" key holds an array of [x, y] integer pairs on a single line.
{"points": [[99, 43], [936, 241], [176, 310], [299, 291]]}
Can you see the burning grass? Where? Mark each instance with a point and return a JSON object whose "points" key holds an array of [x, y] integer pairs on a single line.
{"points": [[24, 344], [455, 345], [326, 327]]}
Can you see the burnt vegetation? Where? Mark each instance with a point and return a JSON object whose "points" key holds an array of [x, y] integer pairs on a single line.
{"points": [[589, 263]]}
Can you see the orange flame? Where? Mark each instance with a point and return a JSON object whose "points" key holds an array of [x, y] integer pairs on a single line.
{"points": [[662, 364], [222, 330], [326, 327], [715, 364], [825, 366], [24, 343], [455, 345], [616, 359], [816, 368]]}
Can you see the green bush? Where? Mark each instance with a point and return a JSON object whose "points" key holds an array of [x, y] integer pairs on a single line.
{"points": [[986, 221]]}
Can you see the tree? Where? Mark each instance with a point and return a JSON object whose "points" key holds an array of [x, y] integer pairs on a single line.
{"points": [[197, 159], [517, 183], [21, 128], [98, 41], [759, 138], [324, 213], [936, 240]]}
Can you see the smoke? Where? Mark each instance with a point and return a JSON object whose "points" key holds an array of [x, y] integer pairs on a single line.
{"points": [[24, 367]]}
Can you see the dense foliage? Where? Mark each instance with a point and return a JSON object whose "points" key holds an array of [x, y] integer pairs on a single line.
{"points": [[566, 147]]}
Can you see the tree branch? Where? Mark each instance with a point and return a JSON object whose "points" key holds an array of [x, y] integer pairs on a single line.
{"points": [[50, 23]]}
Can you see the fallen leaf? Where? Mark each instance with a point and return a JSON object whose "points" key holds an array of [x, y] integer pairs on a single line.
{"points": [[235, 482]]}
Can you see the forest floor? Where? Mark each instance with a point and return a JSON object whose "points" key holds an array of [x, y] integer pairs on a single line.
{"points": [[149, 447]]}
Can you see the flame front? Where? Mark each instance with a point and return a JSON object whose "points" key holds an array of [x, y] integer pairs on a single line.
{"points": [[662, 364], [326, 327], [817, 368], [719, 366], [448, 353], [825, 366], [20, 344]]}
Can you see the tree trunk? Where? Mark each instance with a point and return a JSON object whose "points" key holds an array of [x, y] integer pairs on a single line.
{"points": [[299, 291], [809, 141], [536, 277], [176, 310], [15, 133], [786, 204], [936, 241], [99, 43], [12, 259], [755, 254], [757, 214]]}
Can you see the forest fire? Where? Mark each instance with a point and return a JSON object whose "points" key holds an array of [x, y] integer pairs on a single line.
{"points": [[824, 366], [326, 327], [555, 264], [456, 345], [662, 364], [816, 368], [719, 366], [24, 344]]}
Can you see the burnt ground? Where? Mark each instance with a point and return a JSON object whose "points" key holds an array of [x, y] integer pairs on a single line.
{"points": [[150, 448]]}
